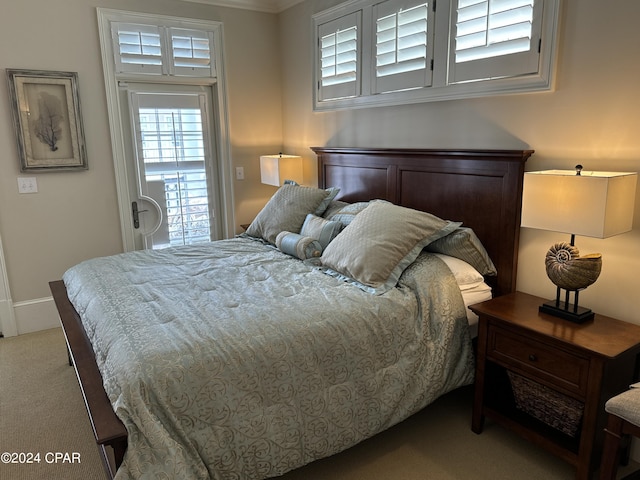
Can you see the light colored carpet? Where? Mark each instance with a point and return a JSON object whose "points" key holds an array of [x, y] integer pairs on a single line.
{"points": [[41, 411]]}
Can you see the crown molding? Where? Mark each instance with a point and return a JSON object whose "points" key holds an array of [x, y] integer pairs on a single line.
{"points": [[270, 6]]}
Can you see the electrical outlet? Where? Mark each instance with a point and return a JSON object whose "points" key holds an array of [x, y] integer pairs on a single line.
{"points": [[27, 185], [239, 173]]}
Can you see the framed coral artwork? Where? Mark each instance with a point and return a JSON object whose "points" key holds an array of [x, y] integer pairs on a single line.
{"points": [[47, 120]]}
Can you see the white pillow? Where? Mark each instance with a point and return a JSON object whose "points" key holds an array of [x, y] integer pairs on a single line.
{"points": [[466, 276]]}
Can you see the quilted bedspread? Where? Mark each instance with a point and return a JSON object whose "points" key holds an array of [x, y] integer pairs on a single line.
{"points": [[232, 360]]}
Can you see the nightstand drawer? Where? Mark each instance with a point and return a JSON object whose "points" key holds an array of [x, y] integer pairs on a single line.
{"points": [[542, 361]]}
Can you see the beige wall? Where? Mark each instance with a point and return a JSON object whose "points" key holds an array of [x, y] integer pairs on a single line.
{"points": [[74, 216], [592, 117]]}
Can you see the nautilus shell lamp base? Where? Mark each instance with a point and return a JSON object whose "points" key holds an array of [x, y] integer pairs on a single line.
{"points": [[570, 272]]}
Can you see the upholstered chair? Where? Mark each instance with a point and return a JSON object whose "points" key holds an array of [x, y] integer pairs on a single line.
{"points": [[623, 420]]}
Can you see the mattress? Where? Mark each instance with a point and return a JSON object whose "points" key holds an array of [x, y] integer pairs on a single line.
{"points": [[471, 297]]}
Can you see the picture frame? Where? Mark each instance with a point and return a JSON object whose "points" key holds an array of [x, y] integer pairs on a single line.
{"points": [[47, 120]]}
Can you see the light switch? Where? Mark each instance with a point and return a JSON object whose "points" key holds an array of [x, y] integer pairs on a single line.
{"points": [[239, 173], [27, 185]]}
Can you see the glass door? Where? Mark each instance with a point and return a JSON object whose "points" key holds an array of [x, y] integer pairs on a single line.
{"points": [[174, 167]]}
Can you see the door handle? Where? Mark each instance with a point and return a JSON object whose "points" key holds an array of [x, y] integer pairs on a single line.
{"points": [[136, 212]]}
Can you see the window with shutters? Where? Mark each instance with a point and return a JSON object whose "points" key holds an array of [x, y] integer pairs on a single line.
{"points": [[406, 51], [495, 39], [138, 48], [339, 50], [162, 50], [191, 52], [403, 47]]}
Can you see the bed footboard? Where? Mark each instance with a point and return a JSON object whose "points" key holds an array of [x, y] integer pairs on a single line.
{"points": [[108, 430]]}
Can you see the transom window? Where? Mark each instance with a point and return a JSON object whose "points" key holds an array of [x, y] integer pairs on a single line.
{"points": [[162, 50], [401, 41], [492, 29], [339, 62], [403, 51]]}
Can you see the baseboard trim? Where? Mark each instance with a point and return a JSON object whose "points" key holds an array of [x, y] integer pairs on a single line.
{"points": [[7, 319], [35, 315]]}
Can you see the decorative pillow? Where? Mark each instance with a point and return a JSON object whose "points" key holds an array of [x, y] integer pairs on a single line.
{"points": [[381, 242], [334, 207], [297, 245], [333, 192], [346, 214], [321, 229], [463, 243], [466, 276], [285, 211]]}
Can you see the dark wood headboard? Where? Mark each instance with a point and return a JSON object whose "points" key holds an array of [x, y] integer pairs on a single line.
{"points": [[481, 188]]}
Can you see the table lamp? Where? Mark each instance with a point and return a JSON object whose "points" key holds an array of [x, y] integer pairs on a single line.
{"points": [[275, 169], [577, 202]]}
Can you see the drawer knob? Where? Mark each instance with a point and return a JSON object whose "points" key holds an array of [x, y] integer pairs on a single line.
{"points": [[532, 357]]}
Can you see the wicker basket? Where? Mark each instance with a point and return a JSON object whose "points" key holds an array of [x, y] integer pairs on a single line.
{"points": [[550, 407]]}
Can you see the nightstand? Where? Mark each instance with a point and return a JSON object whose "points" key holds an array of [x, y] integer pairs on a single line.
{"points": [[547, 378]]}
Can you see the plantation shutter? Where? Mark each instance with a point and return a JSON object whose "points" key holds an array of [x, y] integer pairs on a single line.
{"points": [[339, 58], [137, 48], [403, 46], [191, 52], [495, 38], [156, 50]]}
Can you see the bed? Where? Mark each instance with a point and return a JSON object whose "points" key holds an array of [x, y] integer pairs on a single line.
{"points": [[303, 358]]}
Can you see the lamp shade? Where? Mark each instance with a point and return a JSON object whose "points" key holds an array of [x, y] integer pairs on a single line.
{"points": [[275, 169], [592, 204]]}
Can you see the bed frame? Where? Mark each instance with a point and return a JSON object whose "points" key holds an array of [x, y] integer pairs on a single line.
{"points": [[481, 188]]}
